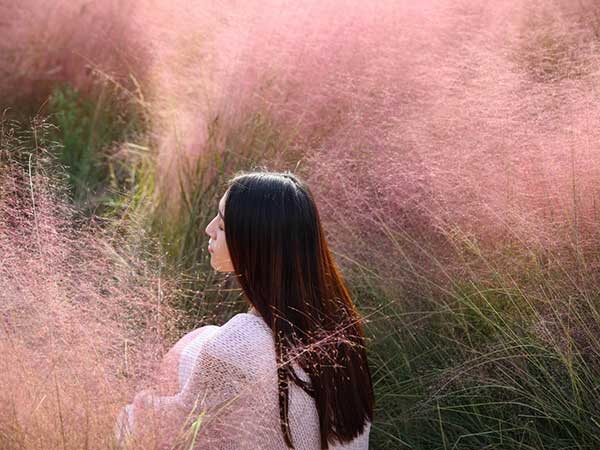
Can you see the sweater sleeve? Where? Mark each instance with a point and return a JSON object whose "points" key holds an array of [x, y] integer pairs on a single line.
{"points": [[212, 410]]}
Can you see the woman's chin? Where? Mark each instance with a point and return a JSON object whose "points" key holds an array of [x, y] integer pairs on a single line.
{"points": [[214, 265], [220, 266]]}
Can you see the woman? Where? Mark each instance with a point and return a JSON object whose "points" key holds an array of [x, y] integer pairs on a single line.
{"points": [[290, 373]]}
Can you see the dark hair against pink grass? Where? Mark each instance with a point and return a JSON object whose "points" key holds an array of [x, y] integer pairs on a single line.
{"points": [[283, 264]]}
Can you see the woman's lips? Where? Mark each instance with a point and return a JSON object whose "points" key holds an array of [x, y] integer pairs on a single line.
{"points": [[210, 249]]}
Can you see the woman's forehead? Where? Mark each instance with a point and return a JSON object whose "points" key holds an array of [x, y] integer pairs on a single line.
{"points": [[221, 206]]}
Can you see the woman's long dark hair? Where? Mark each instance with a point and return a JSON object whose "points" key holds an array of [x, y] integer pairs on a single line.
{"points": [[283, 264]]}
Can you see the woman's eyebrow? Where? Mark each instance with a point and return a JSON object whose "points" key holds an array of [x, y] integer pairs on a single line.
{"points": [[221, 215]]}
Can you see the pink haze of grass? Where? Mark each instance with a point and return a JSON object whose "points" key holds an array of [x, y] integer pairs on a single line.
{"points": [[43, 45], [82, 324], [435, 115], [438, 111]]}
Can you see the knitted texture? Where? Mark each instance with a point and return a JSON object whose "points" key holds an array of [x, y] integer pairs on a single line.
{"points": [[228, 376]]}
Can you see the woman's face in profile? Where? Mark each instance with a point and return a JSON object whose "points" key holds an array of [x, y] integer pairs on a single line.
{"points": [[217, 245]]}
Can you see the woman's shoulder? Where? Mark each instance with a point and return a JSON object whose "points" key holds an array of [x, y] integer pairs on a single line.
{"points": [[245, 322], [243, 339]]}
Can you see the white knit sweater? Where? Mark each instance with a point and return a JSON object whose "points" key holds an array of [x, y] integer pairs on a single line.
{"points": [[228, 374]]}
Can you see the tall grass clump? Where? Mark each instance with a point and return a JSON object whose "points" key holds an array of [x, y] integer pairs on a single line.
{"points": [[498, 356], [84, 65], [45, 46], [91, 131], [84, 321]]}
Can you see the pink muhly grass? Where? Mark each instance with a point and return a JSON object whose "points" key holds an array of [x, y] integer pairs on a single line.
{"points": [[473, 142], [437, 114], [432, 116], [442, 119], [83, 324], [43, 45]]}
